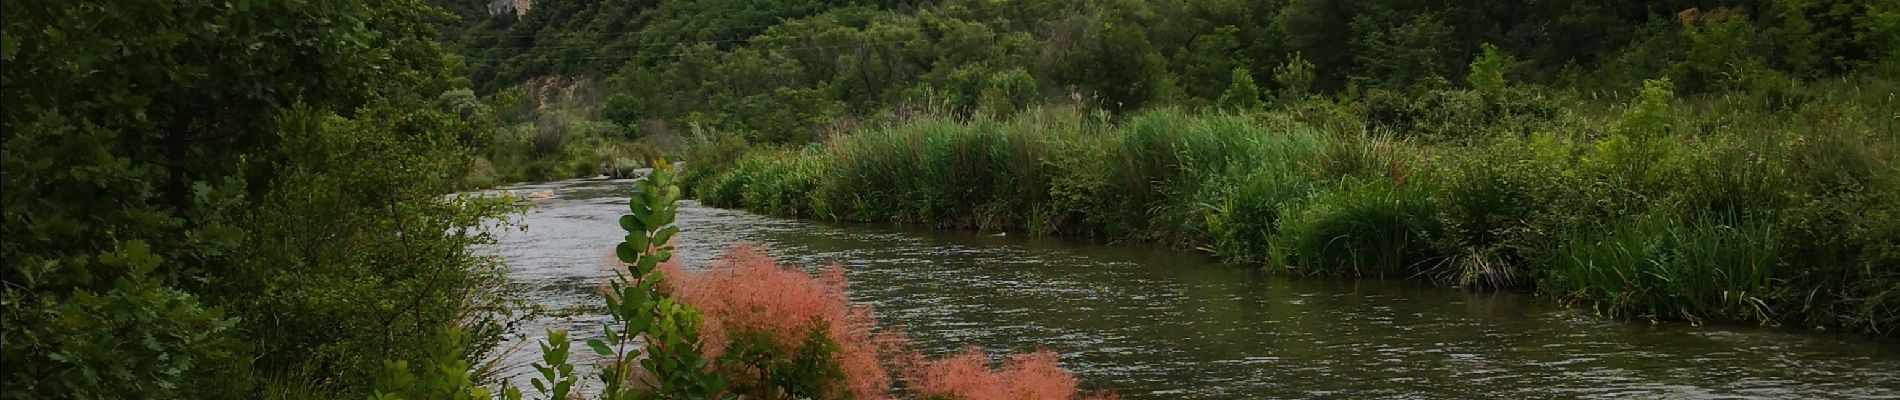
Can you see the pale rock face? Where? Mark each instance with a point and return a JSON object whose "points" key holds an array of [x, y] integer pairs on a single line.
{"points": [[517, 7]]}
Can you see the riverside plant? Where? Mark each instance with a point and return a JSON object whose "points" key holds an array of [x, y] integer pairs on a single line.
{"points": [[770, 315]]}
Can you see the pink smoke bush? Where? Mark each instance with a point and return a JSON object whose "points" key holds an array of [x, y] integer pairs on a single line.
{"points": [[747, 290], [967, 376]]}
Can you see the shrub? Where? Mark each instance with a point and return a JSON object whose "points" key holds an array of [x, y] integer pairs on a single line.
{"points": [[967, 376], [753, 305]]}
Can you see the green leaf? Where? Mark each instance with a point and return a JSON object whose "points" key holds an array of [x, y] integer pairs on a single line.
{"points": [[646, 265], [640, 242], [636, 204], [641, 322], [9, 46], [626, 253], [631, 224], [665, 235], [600, 347]]}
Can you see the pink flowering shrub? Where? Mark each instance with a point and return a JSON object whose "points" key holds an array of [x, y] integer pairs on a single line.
{"points": [[967, 376], [746, 292], [745, 297]]}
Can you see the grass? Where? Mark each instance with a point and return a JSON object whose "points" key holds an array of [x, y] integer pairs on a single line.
{"points": [[1727, 208]]}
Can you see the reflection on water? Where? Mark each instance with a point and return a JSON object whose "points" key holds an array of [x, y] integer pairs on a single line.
{"points": [[1151, 324]]}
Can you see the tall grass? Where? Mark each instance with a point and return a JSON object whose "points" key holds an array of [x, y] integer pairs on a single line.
{"points": [[1708, 208], [1359, 228], [1659, 267]]}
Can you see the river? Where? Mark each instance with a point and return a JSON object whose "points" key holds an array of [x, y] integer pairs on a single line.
{"points": [[1156, 324]]}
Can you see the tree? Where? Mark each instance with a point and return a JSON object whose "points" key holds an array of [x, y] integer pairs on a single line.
{"points": [[1295, 78], [1408, 54], [1122, 71], [1319, 30], [153, 155], [1210, 59], [1487, 71], [1241, 94]]}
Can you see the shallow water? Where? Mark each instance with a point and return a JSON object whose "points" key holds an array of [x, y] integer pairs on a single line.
{"points": [[1155, 324]]}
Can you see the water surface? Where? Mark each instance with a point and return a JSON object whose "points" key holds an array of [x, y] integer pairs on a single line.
{"points": [[1155, 324]]}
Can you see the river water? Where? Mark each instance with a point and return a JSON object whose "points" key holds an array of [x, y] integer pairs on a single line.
{"points": [[1156, 324]]}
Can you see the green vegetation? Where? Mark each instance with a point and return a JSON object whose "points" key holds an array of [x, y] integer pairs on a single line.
{"points": [[790, 72], [747, 326], [254, 199], [212, 200], [550, 130], [1706, 208], [1633, 156]]}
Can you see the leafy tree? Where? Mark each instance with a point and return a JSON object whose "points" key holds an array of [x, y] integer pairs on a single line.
{"points": [[1242, 94], [1793, 36], [1319, 30], [1121, 69], [1719, 53], [1211, 58], [1007, 92], [1295, 78], [163, 163], [1487, 72], [1407, 54]]}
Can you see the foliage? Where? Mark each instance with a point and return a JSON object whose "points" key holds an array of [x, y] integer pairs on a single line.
{"points": [[1359, 229], [1119, 66], [445, 374], [1487, 72], [1295, 79], [1242, 94], [794, 331], [786, 73], [967, 376], [1704, 209], [164, 163], [671, 356]]}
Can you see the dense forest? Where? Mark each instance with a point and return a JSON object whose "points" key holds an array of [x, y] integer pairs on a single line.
{"points": [[788, 72], [240, 199]]}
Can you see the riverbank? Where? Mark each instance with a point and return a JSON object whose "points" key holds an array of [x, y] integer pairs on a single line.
{"points": [[1736, 207], [1148, 323]]}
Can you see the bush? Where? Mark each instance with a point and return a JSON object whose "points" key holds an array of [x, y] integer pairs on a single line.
{"points": [[762, 317], [967, 376]]}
